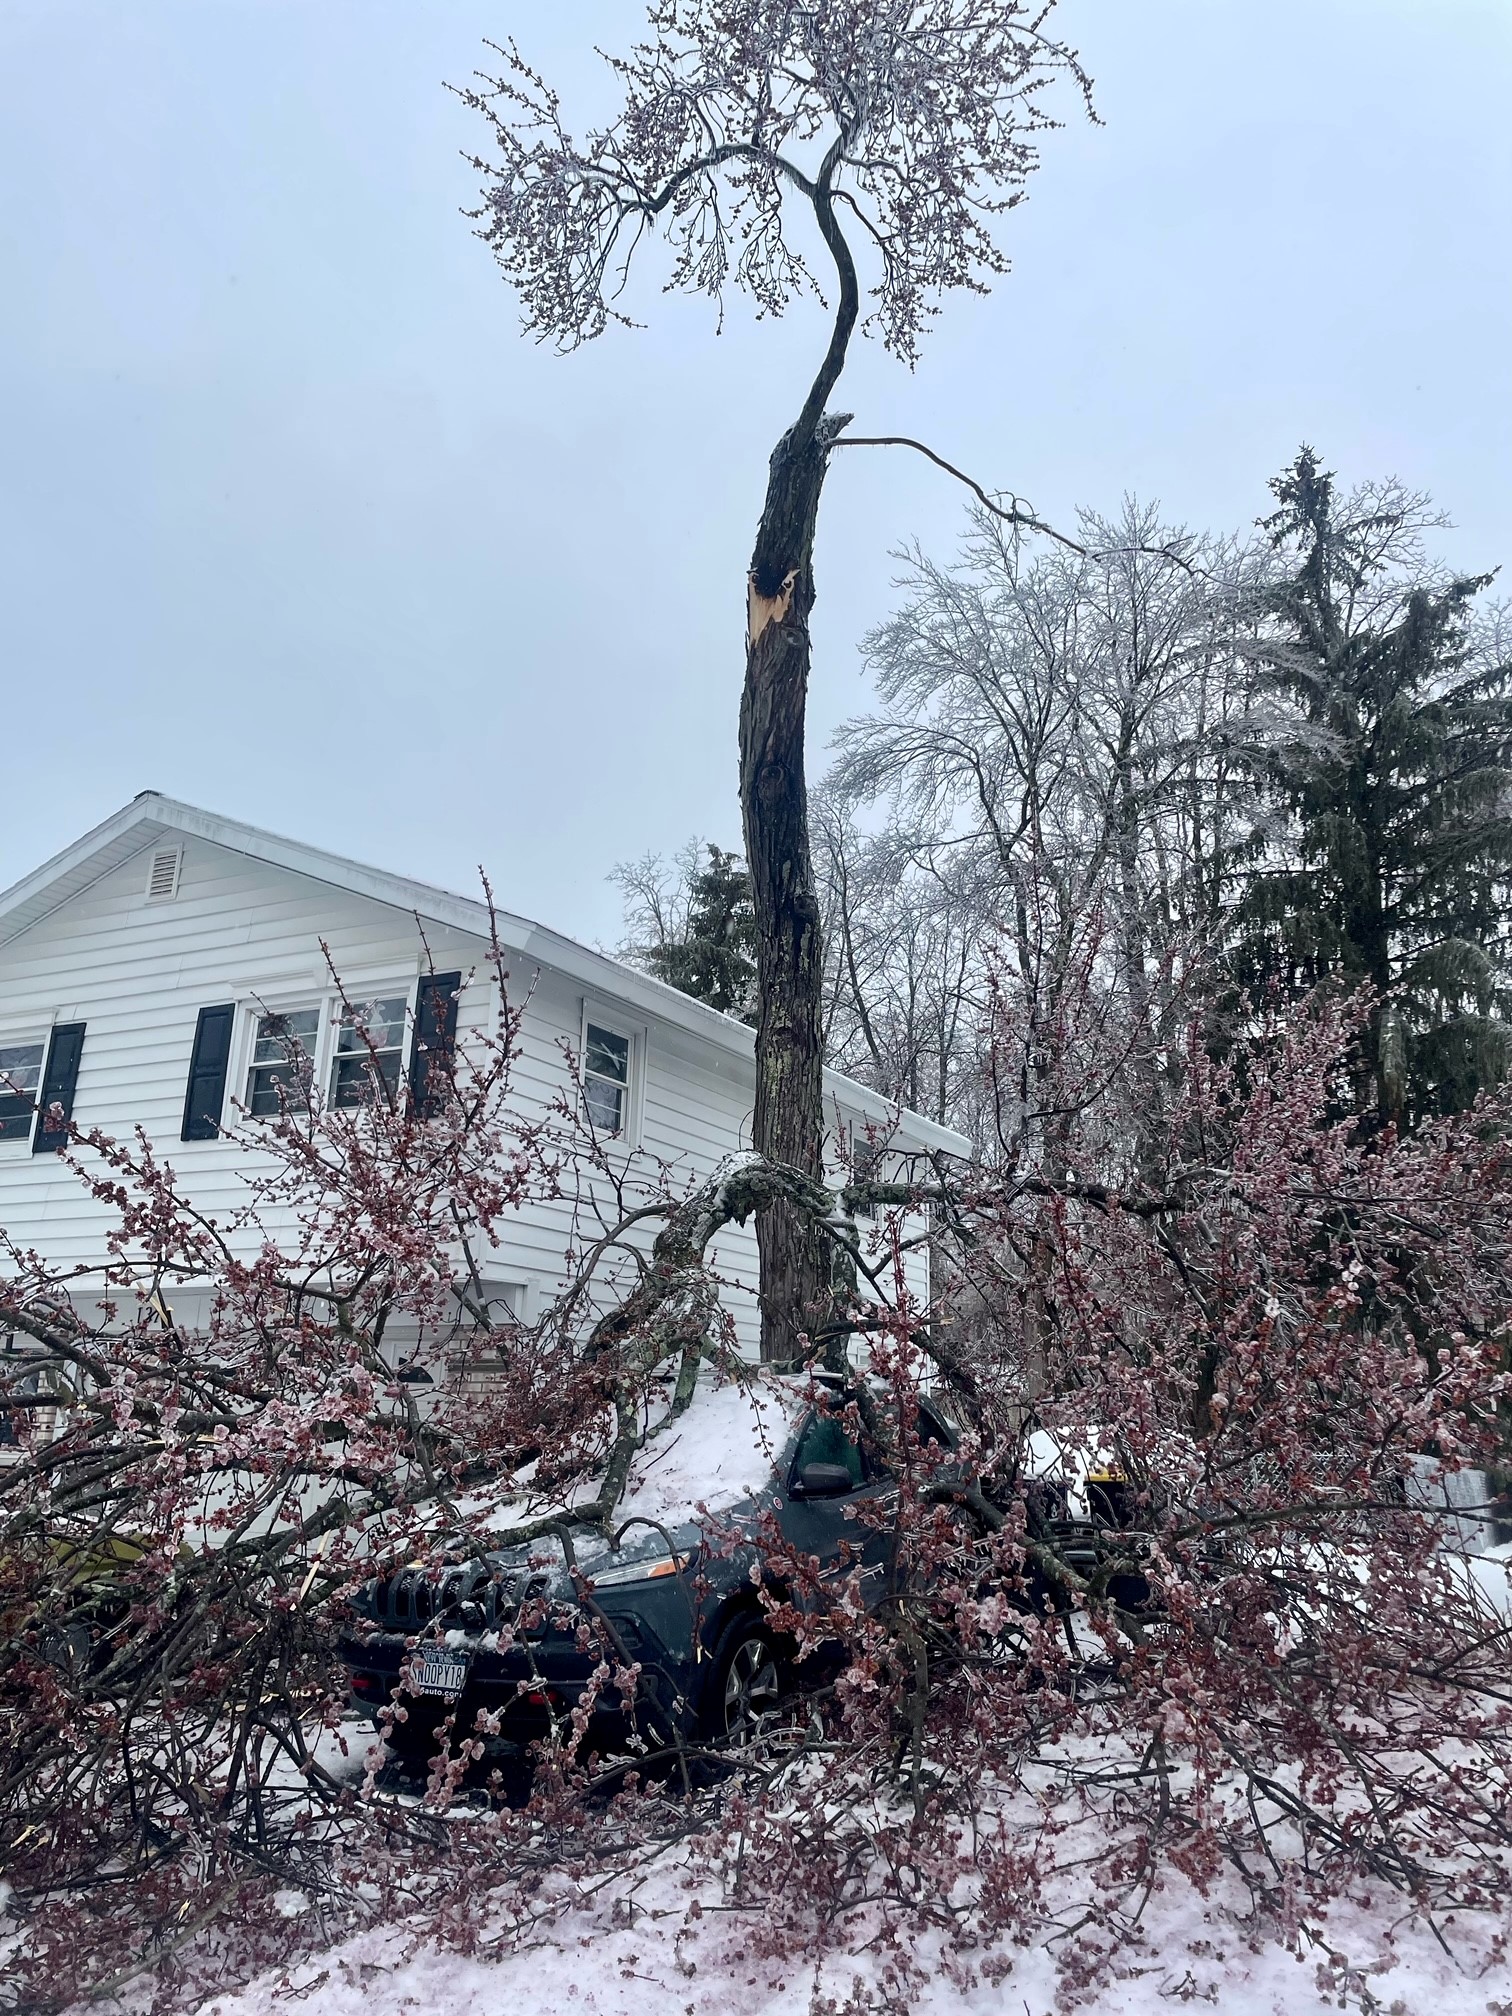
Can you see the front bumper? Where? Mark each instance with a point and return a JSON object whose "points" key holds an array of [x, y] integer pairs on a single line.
{"points": [[527, 1685]]}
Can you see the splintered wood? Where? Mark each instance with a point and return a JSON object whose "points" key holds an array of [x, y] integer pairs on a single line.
{"points": [[764, 609]]}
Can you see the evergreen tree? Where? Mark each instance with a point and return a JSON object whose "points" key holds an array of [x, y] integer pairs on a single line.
{"points": [[695, 928], [1393, 865]]}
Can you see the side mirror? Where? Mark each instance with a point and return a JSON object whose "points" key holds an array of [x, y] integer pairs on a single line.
{"points": [[824, 1480]]}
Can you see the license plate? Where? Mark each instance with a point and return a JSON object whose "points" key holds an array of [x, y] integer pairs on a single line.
{"points": [[443, 1674]]}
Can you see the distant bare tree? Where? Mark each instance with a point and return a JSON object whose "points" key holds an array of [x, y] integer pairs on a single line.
{"points": [[904, 942], [1065, 742], [654, 899], [749, 132]]}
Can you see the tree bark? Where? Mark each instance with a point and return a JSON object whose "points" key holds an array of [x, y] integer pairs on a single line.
{"points": [[788, 1126]]}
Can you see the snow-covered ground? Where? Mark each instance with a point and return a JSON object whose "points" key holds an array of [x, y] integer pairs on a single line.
{"points": [[661, 1948], [664, 1937]]}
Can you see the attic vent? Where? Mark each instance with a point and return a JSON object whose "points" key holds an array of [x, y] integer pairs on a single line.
{"points": [[162, 882]]}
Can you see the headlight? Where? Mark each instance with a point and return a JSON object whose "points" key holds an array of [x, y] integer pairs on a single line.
{"points": [[649, 1568]]}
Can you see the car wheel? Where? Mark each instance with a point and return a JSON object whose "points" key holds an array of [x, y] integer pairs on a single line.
{"points": [[746, 1691]]}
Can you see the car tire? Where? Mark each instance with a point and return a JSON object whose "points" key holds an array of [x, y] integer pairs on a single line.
{"points": [[747, 1685]]}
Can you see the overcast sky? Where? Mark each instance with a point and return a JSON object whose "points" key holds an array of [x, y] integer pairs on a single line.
{"points": [[295, 526]]}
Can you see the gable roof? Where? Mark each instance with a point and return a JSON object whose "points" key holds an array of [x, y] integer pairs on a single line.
{"points": [[151, 818]]}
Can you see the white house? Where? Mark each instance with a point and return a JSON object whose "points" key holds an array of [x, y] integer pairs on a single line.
{"points": [[138, 970]]}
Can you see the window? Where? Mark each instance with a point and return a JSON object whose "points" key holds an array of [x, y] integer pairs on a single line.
{"points": [[606, 1078], [352, 1052], [931, 1430], [22, 1425], [8, 1436], [824, 1440], [20, 1078], [369, 1048], [866, 1167], [283, 1058]]}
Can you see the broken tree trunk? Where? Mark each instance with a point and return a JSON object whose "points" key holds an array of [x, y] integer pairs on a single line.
{"points": [[788, 1126]]}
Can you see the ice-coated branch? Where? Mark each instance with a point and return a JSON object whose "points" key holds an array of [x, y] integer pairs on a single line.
{"points": [[922, 118]]}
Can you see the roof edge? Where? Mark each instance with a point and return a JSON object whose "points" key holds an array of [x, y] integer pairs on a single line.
{"points": [[596, 970]]}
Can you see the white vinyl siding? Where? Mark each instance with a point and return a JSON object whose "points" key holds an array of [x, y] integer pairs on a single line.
{"points": [[245, 931]]}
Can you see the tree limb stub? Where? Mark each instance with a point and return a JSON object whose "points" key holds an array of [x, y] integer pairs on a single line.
{"points": [[784, 549]]}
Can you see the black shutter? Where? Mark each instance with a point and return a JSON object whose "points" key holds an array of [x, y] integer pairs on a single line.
{"points": [[435, 1033], [58, 1083], [206, 1092]]}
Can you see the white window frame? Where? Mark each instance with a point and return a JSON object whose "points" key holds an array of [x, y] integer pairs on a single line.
{"points": [[327, 1003], [866, 1158], [614, 1023], [26, 1034], [289, 1004], [367, 998], [514, 1294], [511, 1291]]}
